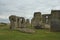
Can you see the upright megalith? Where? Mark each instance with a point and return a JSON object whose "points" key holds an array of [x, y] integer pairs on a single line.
{"points": [[16, 22], [55, 14], [27, 23], [55, 25], [46, 21], [36, 20], [21, 22], [24, 26], [46, 18], [55, 21], [37, 16], [12, 19]]}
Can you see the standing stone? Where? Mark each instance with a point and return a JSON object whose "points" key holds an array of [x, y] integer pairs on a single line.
{"points": [[46, 21], [18, 20], [46, 18], [55, 25], [36, 20], [21, 22], [12, 19], [27, 23], [55, 21]]}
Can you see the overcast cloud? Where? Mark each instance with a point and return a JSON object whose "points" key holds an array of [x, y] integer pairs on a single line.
{"points": [[26, 8]]}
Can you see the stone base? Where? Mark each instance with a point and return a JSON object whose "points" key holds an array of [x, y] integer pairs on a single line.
{"points": [[55, 26]]}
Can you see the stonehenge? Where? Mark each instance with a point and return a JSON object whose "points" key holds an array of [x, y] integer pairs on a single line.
{"points": [[46, 18], [39, 21], [16, 21], [27, 23], [20, 24], [55, 20], [12, 19], [36, 20]]}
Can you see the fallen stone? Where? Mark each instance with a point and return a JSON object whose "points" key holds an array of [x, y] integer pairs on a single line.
{"points": [[26, 30]]}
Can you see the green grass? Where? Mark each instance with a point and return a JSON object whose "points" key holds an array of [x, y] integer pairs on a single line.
{"points": [[6, 34]]}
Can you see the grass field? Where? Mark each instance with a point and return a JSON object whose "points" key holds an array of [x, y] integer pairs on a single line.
{"points": [[6, 34]]}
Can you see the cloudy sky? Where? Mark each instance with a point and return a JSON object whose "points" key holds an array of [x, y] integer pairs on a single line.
{"points": [[26, 8]]}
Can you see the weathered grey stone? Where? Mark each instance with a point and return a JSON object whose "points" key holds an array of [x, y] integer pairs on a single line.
{"points": [[46, 18], [26, 30], [36, 20], [21, 22], [55, 14], [27, 23], [12, 19], [55, 20], [16, 22], [55, 25]]}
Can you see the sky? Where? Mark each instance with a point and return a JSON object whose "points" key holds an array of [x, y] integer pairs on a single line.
{"points": [[26, 8]]}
